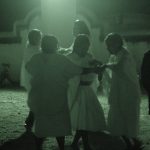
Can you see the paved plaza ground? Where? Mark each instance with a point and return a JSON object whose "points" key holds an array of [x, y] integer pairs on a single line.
{"points": [[13, 111]]}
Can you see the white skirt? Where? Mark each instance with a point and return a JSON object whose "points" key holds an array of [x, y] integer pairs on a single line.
{"points": [[86, 112]]}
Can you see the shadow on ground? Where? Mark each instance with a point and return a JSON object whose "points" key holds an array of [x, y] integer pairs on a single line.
{"points": [[25, 142]]}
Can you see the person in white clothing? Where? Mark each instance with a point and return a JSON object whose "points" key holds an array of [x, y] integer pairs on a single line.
{"points": [[50, 73], [124, 95], [79, 27], [86, 112], [33, 47]]}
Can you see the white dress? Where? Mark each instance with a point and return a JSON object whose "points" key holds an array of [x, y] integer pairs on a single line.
{"points": [[86, 111], [48, 95], [25, 76], [124, 97]]}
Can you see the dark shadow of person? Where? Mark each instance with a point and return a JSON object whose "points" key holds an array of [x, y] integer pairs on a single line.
{"points": [[105, 141], [145, 75], [25, 141]]}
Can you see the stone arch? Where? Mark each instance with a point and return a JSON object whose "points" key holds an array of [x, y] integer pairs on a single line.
{"points": [[15, 35]]}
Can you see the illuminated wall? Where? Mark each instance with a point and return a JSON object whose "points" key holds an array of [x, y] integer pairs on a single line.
{"points": [[17, 18], [57, 17], [20, 16]]}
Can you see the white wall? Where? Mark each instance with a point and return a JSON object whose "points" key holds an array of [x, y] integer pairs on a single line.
{"points": [[62, 28], [12, 53], [58, 18]]}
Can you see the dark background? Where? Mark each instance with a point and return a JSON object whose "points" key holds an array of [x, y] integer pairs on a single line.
{"points": [[13, 10]]}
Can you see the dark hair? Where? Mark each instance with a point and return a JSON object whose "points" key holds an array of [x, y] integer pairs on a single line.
{"points": [[80, 40], [82, 28], [49, 44], [34, 36], [112, 38]]}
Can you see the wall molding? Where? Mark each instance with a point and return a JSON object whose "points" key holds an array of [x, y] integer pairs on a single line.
{"points": [[15, 36]]}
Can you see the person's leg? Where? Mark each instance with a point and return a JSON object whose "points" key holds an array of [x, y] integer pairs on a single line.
{"points": [[85, 140], [61, 142], [133, 143], [39, 143], [77, 136], [138, 144], [29, 121]]}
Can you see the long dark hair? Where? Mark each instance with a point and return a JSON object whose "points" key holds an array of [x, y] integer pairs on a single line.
{"points": [[80, 40], [34, 36], [80, 27], [112, 38]]}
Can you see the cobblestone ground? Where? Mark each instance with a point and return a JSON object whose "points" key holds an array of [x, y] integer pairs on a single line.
{"points": [[13, 111]]}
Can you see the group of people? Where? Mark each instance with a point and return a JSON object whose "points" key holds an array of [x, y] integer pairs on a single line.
{"points": [[62, 92]]}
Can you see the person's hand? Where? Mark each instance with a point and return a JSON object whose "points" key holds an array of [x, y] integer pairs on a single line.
{"points": [[103, 67], [100, 69], [95, 63]]}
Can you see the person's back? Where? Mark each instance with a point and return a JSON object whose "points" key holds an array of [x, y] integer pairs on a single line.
{"points": [[51, 75], [48, 96]]}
